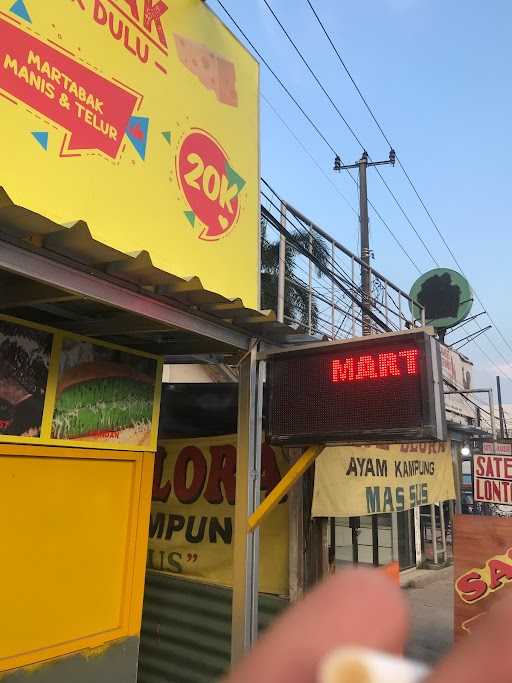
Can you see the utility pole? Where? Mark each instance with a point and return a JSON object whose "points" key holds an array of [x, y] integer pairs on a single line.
{"points": [[366, 284], [500, 408], [366, 288]]}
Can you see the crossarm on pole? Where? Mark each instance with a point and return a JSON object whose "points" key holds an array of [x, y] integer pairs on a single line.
{"points": [[281, 489]]}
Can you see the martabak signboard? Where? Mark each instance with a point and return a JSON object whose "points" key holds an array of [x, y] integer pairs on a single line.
{"points": [[139, 117], [378, 388]]}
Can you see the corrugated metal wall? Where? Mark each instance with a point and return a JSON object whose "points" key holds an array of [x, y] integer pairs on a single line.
{"points": [[186, 629]]}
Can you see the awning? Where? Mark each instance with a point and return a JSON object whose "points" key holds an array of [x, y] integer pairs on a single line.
{"points": [[468, 430], [61, 276]]}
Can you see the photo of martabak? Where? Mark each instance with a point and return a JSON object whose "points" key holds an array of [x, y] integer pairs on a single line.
{"points": [[103, 394], [24, 362]]}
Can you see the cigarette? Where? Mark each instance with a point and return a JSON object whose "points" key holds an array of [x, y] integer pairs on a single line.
{"points": [[359, 665]]}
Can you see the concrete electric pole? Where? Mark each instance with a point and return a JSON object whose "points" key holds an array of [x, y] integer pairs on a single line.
{"points": [[366, 284], [366, 300]]}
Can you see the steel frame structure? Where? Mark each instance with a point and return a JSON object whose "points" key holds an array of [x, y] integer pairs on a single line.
{"points": [[79, 282]]}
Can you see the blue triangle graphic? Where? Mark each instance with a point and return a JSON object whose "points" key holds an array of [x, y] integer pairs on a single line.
{"points": [[42, 138], [20, 10], [137, 134]]}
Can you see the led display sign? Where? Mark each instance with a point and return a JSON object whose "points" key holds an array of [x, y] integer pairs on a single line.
{"points": [[377, 388]]}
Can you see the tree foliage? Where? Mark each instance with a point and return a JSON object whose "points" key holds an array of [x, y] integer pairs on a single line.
{"points": [[296, 294]]}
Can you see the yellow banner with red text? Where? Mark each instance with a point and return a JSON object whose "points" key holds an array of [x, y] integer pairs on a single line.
{"points": [[192, 512]]}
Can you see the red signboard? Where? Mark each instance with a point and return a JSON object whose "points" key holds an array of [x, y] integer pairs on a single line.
{"points": [[384, 387], [483, 568], [492, 447], [493, 478]]}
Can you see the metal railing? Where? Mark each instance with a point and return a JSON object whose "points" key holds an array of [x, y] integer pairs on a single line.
{"points": [[312, 280]]}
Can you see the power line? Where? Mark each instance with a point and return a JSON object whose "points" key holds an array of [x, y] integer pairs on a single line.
{"points": [[336, 268], [318, 81], [278, 79], [347, 124], [315, 127], [332, 148], [330, 274], [404, 250], [483, 352], [395, 198], [306, 151], [347, 278], [409, 179], [348, 72], [315, 294]]}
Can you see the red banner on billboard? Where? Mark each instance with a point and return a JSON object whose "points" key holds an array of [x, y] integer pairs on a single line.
{"points": [[94, 111]]}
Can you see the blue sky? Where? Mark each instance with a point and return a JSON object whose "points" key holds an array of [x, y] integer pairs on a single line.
{"points": [[437, 75]]}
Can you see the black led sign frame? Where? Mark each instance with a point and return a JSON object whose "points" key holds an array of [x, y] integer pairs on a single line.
{"points": [[380, 388]]}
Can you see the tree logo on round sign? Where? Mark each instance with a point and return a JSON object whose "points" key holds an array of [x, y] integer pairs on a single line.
{"points": [[210, 184]]}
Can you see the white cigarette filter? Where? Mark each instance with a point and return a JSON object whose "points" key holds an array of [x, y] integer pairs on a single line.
{"points": [[359, 665]]}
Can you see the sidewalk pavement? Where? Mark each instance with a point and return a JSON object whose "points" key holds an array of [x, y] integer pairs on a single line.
{"points": [[430, 595]]}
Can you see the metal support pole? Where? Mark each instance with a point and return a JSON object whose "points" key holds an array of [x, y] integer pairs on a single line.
{"points": [[332, 544], [284, 485], [353, 302], [394, 537], [281, 273], [451, 509], [324, 547], [433, 528], [310, 285], [354, 525], [333, 308], [417, 535], [375, 540], [365, 241], [457, 476], [443, 529], [244, 622], [491, 408], [500, 408]]}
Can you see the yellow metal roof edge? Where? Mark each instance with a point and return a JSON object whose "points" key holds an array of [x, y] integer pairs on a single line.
{"points": [[75, 240]]}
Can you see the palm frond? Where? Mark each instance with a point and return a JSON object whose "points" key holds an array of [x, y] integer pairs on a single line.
{"points": [[296, 305]]}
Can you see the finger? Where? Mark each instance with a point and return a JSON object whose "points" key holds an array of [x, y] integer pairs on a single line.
{"points": [[355, 607], [485, 655]]}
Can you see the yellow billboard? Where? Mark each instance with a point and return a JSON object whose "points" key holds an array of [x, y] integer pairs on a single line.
{"points": [[192, 512], [141, 118]]}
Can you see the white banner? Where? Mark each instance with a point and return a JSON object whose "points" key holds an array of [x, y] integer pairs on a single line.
{"points": [[458, 371]]}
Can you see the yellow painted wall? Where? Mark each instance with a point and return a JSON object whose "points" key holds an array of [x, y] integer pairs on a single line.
{"points": [[73, 525], [143, 124]]}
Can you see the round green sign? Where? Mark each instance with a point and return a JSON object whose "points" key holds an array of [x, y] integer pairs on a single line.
{"points": [[445, 295]]}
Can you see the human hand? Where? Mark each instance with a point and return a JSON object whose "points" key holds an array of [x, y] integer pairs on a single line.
{"points": [[363, 607]]}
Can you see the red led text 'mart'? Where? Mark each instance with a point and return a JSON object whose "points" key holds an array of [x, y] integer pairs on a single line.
{"points": [[375, 366]]}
